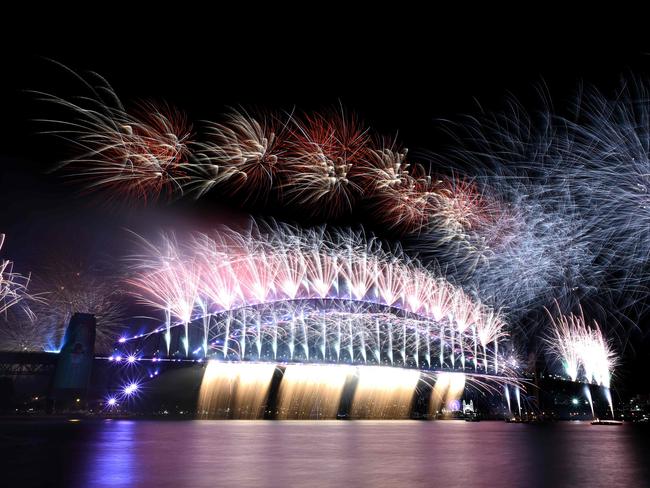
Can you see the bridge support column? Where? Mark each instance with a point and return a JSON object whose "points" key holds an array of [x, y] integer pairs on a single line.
{"points": [[74, 365]]}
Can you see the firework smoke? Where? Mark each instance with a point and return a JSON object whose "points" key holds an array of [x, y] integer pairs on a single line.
{"points": [[66, 290]]}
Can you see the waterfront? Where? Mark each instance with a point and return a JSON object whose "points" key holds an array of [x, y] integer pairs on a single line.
{"points": [[115, 453]]}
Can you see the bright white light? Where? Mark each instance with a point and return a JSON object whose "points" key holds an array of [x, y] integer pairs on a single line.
{"points": [[130, 388]]}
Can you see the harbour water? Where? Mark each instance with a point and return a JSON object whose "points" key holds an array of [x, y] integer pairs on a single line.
{"points": [[204, 453]]}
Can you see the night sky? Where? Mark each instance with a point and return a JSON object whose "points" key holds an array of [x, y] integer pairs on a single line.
{"points": [[402, 87]]}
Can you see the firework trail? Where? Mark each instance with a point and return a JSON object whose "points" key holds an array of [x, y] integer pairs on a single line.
{"points": [[535, 226], [327, 163], [18, 331], [558, 213], [548, 189], [21, 332], [80, 288], [401, 196], [605, 155], [515, 249]]}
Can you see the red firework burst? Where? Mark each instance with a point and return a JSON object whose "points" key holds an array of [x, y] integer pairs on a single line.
{"points": [[406, 201], [142, 154], [465, 212], [324, 150]]}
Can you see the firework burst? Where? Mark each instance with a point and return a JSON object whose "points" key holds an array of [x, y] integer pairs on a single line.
{"points": [[325, 152], [405, 203], [508, 231], [243, 155], [139, 154], [328, 163]]}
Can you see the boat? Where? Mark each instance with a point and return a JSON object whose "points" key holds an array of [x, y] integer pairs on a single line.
{"points": [[606, 422]]}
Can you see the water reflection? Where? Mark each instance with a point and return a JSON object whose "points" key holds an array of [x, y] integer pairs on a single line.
{"points": [[356, 454], [112, 456]]}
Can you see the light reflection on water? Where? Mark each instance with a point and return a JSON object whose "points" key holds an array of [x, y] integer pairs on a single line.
{"points": [[112, 461], [352, 454]]}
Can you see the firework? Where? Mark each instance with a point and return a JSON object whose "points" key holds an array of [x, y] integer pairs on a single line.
{"points": [[20, 332], [582, 348], [572, 207], [407, 202], [13, 286], [508, 240], [78, 288], [303, 292], [139, 153], [605, 165], [243, 155], [242, 390], [325, 162], [325, 152], [65, 290], [169, 282], [526, 211], [510, 233]]}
